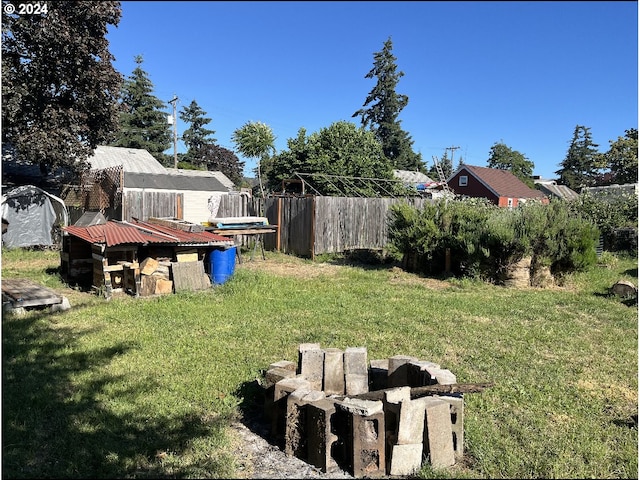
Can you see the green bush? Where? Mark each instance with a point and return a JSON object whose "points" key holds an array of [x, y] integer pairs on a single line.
{"points": [[609, 213], [484, 240]]}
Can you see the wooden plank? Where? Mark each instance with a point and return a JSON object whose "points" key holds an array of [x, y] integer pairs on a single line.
{"points": [[25, 293], [177, 224]]}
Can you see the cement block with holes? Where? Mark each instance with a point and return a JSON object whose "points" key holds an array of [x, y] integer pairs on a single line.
{"points": [[364, 436], [405, 459], [418, 374], [286, 364], [278, 412], [295, 438], [311, 364], [320, 438], [378, 372], [333, 380], [397, 373], [456, 409], [355, 361], [274, 375], [356, 384], [438, 435]]}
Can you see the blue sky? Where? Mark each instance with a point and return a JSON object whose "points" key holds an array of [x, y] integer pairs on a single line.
{"points": [[476, 73]]}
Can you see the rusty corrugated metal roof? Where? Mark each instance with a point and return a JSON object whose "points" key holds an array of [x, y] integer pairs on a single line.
{"points": [[121, 233], [183, 236]]}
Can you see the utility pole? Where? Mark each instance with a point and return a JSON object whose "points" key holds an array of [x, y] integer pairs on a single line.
{"points": [[174, 102], [452, 150]]}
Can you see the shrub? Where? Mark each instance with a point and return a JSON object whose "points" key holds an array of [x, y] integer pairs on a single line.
{"points": [[485, 240]]}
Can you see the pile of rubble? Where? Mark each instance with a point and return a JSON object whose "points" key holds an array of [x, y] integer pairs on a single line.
{"points": [[335, 409]]}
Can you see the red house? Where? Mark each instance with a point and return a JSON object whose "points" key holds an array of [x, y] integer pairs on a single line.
{"points": [[499, 186]]}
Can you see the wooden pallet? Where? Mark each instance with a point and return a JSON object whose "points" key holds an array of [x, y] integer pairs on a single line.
{"points": [[25, 293]]}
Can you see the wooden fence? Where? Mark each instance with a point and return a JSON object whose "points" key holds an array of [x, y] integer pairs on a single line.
{"points": [[308, 226], [311, 226]]}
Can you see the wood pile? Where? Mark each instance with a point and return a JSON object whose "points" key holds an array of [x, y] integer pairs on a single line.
{"points": [[155, 277]]}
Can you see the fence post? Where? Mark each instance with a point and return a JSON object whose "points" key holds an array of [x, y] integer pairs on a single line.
{"points": [[278, 234], [313, 227]]}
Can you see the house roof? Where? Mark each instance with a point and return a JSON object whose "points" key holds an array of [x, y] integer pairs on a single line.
{"points": [[124, 233], [410, 176], [191, 174], [133, 160], [502, 182], [168, 181], [560, 191]]}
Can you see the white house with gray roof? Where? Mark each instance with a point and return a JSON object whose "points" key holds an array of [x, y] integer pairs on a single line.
{"points": [[146, 183]]}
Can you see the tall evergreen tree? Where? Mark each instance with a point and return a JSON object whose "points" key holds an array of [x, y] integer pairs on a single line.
{"points": [[505, 158], [581, 165], [59, 87], [143, 123], [385, 107], [196, 136]]}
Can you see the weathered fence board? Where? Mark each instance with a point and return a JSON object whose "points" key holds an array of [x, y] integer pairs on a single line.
{"points": [[143, 204], [312, 226]]}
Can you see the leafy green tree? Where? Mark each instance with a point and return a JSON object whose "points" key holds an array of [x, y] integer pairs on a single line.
{"points": [[143, 123], [216, 158], [622, 158], [581, 166], [196, 136], [385, 105], [59, 87], [342, 149], [503, 157], [255, 140]]}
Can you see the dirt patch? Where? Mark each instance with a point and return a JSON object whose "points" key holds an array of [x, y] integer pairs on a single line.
{"points": [[290, 267], [300, 268]]}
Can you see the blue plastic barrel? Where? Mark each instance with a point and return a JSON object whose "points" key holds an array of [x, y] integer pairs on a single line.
{"points": [[223, 264]]}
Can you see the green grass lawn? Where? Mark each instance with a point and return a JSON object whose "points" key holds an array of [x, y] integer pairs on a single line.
{"points": [[147, 387]]}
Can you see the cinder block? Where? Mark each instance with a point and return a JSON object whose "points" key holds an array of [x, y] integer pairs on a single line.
{"points": [[397, 373], [444, 377], [356, 384], [378, 372], [311, 364], [281, 391], [405, 459], [287, 385], [456, 404], [355, 361], [364, 436], [295, 439], [418, 373], [411, 422], [286, 364], [274, 375], [391, 402], [333, 381], [438, 436], [320, 438]]}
